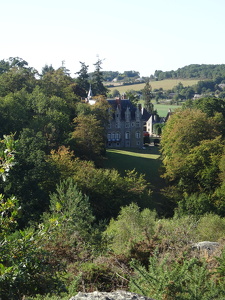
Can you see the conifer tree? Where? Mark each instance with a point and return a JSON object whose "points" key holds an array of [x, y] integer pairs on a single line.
{"points": [[147, 96]]}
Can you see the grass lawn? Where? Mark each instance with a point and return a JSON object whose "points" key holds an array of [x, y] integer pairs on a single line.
{"points": [[146, 161], [163, 109]]}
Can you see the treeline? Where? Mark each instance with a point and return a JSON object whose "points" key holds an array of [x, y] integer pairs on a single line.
{"points": [[203, 71], [126, 76]]}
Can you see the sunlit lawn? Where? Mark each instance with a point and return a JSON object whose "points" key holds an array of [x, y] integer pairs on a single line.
{"points": [[144, 161]]}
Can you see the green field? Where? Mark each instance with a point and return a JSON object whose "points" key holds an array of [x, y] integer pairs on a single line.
{"points": [[167, 84], [145, 161], [162, 109]]}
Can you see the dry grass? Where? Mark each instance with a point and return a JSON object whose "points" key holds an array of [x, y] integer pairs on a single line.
{"points": [[167, 84]]}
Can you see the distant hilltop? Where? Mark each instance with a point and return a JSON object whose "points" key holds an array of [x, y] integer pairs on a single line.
{"points": [[193, 71]]}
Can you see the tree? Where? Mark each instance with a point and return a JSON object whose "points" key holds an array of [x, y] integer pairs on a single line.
{"points": [[57, 83], [83, 79], [71, 208], [16, 79], [147, 97], [130, 227], [47, 69], [183, 131], [51, 117], [97, 80], [192, 147], [15, 112], [89, 137], [132, 96], [210, 105], [107, 189], [32, 178]]}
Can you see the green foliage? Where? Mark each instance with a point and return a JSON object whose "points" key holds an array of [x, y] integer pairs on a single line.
{"points": [[97, 80], [177, 232], [26, 268], [195, 204], [9, 212], [130, 227], [147, 97], [89, 137], [191, 148], [7, 155], [183, 131], [82, 79], [182, 280], [193, 71], [211, 227], [71, 208], [32, 178]]}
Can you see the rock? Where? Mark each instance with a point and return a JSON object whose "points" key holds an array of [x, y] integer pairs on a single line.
{"points": [[117, 295], [206, 245]]}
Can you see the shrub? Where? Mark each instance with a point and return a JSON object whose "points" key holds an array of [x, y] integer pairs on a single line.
{"points": [[26, 268], [177, 232], [183, 279], [211, 227], [130, 227]]}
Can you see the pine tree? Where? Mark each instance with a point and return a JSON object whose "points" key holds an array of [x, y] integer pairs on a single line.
{"points": [[147, 96], [97, 81]]}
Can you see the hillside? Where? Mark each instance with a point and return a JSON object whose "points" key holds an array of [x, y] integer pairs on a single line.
{"points": [[203, 71], [166, 84]]}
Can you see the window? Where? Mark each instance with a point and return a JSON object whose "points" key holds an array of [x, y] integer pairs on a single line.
{"points": [[117, 135], [113, 136], [109, 136], [132, 124], [127, 135], [138, 135], [127, 125], [117, 125], [137, 124]]}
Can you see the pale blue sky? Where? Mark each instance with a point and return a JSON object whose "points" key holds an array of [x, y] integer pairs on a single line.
{"points": [[140, 35]]}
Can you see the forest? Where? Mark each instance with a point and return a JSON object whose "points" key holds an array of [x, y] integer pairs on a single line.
{"points": [[68, 224], [193, 71]]}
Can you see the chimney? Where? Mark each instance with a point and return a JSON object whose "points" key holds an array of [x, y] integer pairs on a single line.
{"points": [[118, 101]]}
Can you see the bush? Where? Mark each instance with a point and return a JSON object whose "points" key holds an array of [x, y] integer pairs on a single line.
{"points": [[183, 279], [130, 227], [26, 268], [177, 232], [211, 227]]}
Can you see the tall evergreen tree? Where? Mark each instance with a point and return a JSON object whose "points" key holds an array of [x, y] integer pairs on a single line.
{"points": [[98, 87], [83, 79], [147, 96]]}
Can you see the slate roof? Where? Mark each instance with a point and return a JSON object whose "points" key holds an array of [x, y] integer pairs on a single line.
{"points": [[122, 104]]}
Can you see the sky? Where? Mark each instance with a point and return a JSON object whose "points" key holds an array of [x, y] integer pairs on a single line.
{"points": [[139, 35]]}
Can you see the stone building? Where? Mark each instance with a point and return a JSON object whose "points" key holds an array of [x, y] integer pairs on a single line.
{"points": [[126, 124]]}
